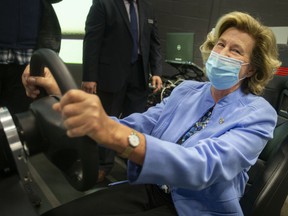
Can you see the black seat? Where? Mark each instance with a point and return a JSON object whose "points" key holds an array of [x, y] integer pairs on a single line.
{"points": [[267, 188]]}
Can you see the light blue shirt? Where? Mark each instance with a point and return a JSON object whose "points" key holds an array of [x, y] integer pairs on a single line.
{"points": [[208, 172]]}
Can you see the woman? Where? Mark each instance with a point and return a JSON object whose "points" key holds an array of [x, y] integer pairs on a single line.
{"points": [[188, 155]]}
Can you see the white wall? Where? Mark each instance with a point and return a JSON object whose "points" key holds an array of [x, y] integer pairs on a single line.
{"points": [[281, 33], [72, 16]]}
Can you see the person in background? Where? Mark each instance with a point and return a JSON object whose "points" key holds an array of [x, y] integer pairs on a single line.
{"points": [[121, 50], [188, 155], [25, 26]]}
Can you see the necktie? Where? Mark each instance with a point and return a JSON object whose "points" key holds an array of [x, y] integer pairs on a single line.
{"points": [[134, 30]]}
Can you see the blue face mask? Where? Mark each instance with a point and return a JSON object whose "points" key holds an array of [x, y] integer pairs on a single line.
{"points": [[223, 72]]}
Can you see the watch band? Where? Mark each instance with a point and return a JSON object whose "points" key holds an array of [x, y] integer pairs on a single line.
{"points": [[133, 141], [126, 152]]}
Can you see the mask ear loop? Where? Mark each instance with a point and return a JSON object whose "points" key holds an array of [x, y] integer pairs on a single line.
{"points": [[239, 80], [246, 63]]}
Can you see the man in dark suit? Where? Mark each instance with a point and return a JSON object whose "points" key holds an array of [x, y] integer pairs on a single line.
{"points": [[119, 58]]}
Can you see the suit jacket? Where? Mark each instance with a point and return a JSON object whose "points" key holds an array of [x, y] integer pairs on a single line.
{"points": [[207, 174], [108, 44]]}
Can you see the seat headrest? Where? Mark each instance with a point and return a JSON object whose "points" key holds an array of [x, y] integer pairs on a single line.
{"points": [[283, 57], [273, 91], [283, 54]]}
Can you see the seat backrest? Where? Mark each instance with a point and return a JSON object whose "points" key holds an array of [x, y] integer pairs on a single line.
{"points": [[267, 188]]}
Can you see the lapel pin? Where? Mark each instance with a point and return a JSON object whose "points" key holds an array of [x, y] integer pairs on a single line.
{"points": [[221, 120]]}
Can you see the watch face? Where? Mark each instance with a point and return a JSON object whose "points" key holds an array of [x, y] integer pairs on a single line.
{"points": [[134, 140]]}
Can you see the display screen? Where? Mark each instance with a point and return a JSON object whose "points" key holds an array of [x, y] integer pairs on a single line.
{"points": [[179, 48]]}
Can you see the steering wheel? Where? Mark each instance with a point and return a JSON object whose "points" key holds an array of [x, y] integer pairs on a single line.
{"points": [[42, 128]]}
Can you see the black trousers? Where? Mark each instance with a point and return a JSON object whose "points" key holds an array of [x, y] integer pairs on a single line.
{"points": [[12, 92], [120, 200], [130, 99]]}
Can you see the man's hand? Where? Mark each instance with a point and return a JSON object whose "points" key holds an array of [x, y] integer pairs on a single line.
{"points": [[89, 87], [156, 83]]}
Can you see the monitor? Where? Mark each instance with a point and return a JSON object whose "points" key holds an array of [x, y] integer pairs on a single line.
{"points": [[179, 47]]}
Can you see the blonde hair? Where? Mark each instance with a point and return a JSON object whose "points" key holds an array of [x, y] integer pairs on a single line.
{"points": [[264, 58]]}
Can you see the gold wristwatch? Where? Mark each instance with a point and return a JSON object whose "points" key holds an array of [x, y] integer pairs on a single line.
{"points": [[134, 141]]}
